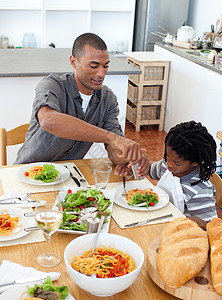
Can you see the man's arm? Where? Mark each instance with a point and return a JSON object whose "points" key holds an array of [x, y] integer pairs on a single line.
{"points": [[69, 127]]}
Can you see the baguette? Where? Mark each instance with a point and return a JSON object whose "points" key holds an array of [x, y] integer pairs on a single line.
{"points": [[214, 232], [183, 252]]}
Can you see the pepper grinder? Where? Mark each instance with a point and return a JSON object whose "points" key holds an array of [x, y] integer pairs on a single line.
{"points": [[134, 169]]}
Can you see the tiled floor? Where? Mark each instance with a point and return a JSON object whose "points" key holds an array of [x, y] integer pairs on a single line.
{"points": [[150, 138]]}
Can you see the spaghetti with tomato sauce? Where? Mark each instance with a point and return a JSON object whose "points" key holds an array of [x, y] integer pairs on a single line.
{"points": [[36, 170], [133, 192], [104, 263], [9, 225]]}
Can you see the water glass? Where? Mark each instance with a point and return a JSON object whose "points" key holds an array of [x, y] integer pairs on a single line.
{"points": [[101, 175]]}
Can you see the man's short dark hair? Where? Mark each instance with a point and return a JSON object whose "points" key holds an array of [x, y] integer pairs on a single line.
{"points": [[87, 39]]}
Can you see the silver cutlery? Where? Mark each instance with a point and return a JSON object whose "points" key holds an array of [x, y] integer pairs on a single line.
{"points": [[81, 179], [19, 198], [97, 235], [14, 202], [31, 228], [140, 223], [73, 177], [27, 280], [124, 186]]}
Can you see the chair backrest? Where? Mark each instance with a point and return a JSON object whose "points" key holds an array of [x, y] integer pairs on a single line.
{"points": [[217, 182], [12, 137]]}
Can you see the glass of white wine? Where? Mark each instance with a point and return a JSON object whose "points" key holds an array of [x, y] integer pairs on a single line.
{"points": [[49, 218]]}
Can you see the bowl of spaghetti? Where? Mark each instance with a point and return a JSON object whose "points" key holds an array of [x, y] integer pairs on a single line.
{"points": [[113, 267]]}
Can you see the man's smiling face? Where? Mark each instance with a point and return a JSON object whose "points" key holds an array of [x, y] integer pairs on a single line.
{"points": [[90, 69]]}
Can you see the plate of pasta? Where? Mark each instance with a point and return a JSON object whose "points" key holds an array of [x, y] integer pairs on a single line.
{"points": [[158, 197], [43, 173], [12, 224]]}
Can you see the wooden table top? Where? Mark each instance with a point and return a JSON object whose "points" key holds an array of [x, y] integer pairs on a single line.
{"points": [[143, 288]]}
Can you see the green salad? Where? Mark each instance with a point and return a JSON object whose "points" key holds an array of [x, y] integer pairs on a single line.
{"points": [[147, 199], [76, 202], [47, 288], [48, 174]]}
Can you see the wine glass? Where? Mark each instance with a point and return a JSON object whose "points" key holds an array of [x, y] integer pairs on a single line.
{"points": [[49, 218]]}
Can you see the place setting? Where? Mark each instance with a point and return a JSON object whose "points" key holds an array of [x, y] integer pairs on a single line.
{"points": [[18, 282], [159, 210], [53, 177]]}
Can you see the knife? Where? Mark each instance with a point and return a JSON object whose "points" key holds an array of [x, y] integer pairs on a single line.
{"points": [[76, 169], [74, 178], [27, 280], [140, 223]]}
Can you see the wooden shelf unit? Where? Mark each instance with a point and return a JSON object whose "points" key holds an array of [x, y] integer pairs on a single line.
{"points": [[147, 91]]}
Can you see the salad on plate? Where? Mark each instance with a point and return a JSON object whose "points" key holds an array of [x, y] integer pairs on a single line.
{"points": [[143, 198], [78, 204]]}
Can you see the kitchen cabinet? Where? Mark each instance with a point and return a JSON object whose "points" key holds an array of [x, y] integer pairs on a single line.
{"points": [[147, 91], [60, 22]]}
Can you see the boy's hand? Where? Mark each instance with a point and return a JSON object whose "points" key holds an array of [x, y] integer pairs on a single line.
{"points": [[143, 168]]}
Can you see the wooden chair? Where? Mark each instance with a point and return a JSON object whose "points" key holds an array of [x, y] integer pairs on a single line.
{"points": [[12, 137], [217, 182]]}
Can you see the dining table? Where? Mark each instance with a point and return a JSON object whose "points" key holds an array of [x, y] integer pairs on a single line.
{"points": [[25, 254]]}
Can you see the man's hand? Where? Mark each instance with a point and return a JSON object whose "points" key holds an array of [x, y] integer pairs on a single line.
{"points": [[129, 150], [143, 168]]}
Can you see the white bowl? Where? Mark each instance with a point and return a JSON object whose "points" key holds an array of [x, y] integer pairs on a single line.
{"points": [[103, 287]]}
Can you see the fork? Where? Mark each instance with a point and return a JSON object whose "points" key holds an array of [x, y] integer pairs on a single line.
{"points": [[19, 198]]}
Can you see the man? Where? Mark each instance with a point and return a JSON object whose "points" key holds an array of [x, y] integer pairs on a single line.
{"points": [[72, 111]]}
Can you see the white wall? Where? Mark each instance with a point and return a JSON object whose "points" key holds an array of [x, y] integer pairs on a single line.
{"points": [[203, 13]]}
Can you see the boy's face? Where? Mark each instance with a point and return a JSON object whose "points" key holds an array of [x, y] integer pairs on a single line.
{"points": [[177, 165], [90, 69]]}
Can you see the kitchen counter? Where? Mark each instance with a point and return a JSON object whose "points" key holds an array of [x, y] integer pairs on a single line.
{"points": [[43, 61], [187, 53]]}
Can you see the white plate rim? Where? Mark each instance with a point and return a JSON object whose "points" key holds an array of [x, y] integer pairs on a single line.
{"points": [[21, 288], [15, 212], [108, 193], [163, 196], [61, 178]]}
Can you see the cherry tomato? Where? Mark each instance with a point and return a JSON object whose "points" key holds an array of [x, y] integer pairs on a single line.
{"points": [[76, 219], [82, 206], [63, 208], [26, 173], [101, 192], [91, 199], [69, 191], [152, 204]]}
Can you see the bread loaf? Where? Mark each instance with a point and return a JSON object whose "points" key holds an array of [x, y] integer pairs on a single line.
{"points": [[214, 231], [183, 252]]}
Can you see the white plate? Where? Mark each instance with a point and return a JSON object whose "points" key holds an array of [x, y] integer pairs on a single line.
{"points": [[15, 212], [107, 193], [64, 174], [14, 293], [130, 185]]}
